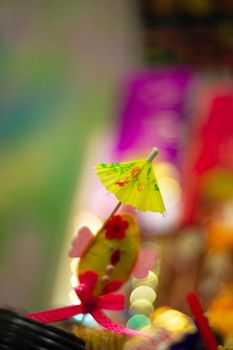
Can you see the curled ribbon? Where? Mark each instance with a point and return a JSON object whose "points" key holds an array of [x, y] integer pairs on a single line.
{"points": [[89, 304]]}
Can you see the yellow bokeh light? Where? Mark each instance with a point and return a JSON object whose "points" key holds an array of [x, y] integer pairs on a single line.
{"points": [[74, 298], [74, 281], [141, 306], [165, 169], [144, 292], [168, 180], [151, 280], [172, 320], [73, 265], [90, 220], [171, 191]]}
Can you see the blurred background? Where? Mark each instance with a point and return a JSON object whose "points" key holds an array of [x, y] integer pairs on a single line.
{"points": [[86, 82]]}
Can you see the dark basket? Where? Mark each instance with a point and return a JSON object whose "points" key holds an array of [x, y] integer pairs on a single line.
{"points": [[18, 332]]}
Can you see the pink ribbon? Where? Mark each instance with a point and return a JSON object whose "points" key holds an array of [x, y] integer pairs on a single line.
{"points": [[89, 304]]}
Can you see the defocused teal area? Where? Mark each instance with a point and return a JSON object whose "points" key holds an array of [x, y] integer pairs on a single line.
{"points": [[39, 171], [51, 103]]}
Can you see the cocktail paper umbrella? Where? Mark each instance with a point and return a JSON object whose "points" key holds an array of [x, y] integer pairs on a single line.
{"points": [[133, 183]]}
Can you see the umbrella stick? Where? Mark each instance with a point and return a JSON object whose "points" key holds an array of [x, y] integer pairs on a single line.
{"points": [[115, 210], [153, 153], [112, 213]]}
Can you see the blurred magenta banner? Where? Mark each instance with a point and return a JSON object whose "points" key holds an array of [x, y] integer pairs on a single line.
{"points": [[153, 112]]}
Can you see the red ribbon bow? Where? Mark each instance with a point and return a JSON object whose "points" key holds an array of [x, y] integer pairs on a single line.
{"points": [[89, 304]]}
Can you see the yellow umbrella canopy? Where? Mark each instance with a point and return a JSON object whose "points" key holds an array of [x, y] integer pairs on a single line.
{"points": [[133, 183]]}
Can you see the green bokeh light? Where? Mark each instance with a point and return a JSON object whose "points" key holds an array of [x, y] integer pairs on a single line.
{"points": [[138, 321]]}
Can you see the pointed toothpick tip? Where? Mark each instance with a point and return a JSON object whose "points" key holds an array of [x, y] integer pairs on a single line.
{"points": [[153, 153]]}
